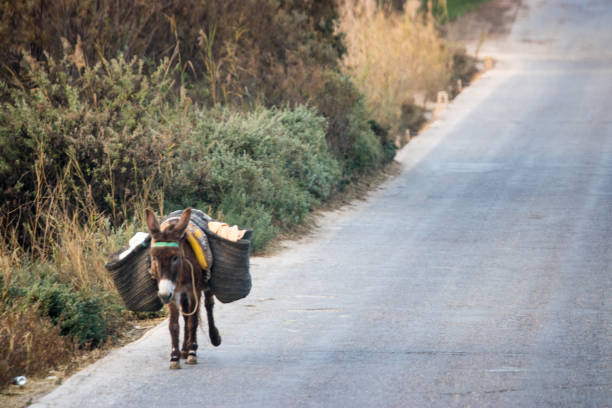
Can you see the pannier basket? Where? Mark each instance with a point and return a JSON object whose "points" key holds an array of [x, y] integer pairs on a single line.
{"points": [[230, 277], [132, 278]]}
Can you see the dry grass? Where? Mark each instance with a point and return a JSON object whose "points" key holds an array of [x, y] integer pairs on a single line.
{"points": [[82, 251], [394, 58], [45, 380], [29, 344], [76, 240], [71, 247]]}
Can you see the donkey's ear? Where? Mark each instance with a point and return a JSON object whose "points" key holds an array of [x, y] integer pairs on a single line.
{"points": [[152, 222], [181, 225]]}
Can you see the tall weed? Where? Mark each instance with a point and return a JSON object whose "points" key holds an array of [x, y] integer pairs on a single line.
{"points": [[393, 57], [86, 137]]}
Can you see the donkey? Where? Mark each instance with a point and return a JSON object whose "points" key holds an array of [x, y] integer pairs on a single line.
{"points": [[181, 282]]}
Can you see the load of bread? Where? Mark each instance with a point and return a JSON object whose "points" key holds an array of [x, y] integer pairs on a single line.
{"points": [[225, 231]]}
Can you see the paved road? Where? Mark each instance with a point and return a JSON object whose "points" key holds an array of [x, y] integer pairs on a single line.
{"points": [[480, 276]]}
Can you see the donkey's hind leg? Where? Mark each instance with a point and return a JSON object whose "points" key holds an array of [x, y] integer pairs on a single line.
{"points": [[185, 347], [213, 333]]}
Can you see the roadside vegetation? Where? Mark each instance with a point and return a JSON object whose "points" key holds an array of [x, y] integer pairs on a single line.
{"points": [[449, 10], [397, 58], [256, 112]]}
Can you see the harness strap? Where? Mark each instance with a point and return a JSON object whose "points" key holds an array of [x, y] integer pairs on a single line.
{"points": [[195, 294]]}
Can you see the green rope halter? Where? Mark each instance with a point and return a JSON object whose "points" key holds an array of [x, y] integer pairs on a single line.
{"points": [[166, 244]]}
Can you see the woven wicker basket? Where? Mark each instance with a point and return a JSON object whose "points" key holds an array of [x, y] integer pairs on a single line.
{"points": [[230, 277], [133, 281]]}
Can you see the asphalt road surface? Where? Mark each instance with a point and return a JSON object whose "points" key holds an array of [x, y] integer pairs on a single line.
{"points": [[480, 276]]}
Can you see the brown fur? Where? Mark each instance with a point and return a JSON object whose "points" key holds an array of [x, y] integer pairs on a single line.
{"points": [[173, 264]]}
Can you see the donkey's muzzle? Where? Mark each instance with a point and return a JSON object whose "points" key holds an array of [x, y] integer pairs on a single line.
{"points": [[166, 291]]}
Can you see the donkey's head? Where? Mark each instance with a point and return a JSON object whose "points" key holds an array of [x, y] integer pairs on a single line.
{"points": [[166, 253]]}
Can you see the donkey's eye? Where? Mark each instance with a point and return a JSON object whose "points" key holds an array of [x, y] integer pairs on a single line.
{"points": [[174, 259]]}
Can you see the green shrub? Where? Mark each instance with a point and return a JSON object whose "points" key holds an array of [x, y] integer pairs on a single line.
{"points": [[50, 306], [110, 136], [88, 317], [363, 151], [96, 136], [386, 141], [242, 53], [449, 10], [265, 169], [349, 135]]}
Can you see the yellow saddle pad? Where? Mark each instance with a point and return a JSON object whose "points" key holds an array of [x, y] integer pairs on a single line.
{"points": [[199, 243]]}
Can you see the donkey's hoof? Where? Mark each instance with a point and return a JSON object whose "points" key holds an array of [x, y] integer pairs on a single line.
{"points": [[191, 359], [175, 365], [215, 338]]}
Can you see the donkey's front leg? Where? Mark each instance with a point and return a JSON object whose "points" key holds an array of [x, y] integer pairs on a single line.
{"points": [[190, 341], [185, 348], [213, 333], [175, 355]]}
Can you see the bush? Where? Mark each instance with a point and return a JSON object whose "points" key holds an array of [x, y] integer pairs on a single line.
{"points": [[79, 316], [228, 50], [265, 169], [349, 136], [70, 289], [87, 317], [273, 53], [449, 10], [105, 137], [412, 117], [95, 136]]}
